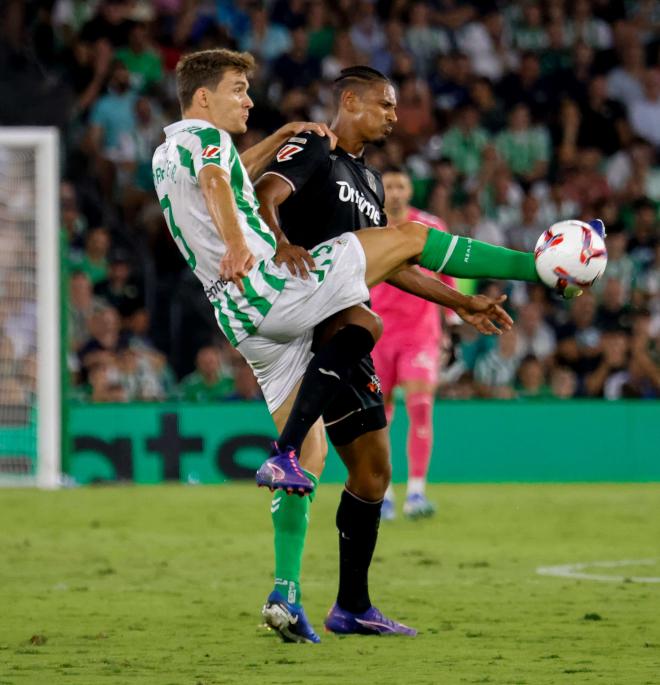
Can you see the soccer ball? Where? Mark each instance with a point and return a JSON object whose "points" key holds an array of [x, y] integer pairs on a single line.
{"points": [[570, 253]]}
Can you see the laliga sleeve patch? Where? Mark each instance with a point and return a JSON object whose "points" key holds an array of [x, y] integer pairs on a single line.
{"points": [[286, 152], [211, 153]]}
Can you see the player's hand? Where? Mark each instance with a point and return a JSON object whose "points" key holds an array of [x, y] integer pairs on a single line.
{"points": [[236, 265], [486, 314], [297, 259], [323, 130]]}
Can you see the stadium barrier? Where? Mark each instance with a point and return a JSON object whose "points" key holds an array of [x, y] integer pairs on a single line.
{"points": [[485, 441]]}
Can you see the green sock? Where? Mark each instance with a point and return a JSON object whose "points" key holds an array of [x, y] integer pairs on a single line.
{"points": [[290, 515], [468, 258]]}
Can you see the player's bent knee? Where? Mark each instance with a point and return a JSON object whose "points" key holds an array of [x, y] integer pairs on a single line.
{"points": [[413, 232]]}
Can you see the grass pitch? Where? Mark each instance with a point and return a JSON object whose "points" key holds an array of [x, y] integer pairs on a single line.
{"points": [[162, 585]]}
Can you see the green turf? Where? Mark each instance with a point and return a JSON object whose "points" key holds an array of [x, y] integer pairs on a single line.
{"points": [[162, 585]]}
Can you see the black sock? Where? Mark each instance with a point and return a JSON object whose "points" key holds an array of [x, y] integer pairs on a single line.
{"points": [[357, 522], [331, 366]]}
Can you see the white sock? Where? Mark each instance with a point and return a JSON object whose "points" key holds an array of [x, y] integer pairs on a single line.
{"points": [[416, 486], [389, 493]]}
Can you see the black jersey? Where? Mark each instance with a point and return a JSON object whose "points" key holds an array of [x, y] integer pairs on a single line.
{"points": [[333, 191]]}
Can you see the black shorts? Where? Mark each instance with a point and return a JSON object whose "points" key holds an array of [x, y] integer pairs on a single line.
{"points": [[357, 408]]}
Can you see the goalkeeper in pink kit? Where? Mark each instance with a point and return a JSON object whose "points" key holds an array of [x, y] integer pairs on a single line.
{"points": [[408, 353]]}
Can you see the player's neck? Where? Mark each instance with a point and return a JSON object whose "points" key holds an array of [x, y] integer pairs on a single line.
{"points": [[348, 140], [396, 217], [199, 114]]}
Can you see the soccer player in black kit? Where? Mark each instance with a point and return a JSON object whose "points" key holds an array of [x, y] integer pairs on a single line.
{"points": [[312, 194]]}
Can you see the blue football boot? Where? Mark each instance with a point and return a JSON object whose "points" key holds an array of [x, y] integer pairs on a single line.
{"points": [[388, 510], [288, 620], [281, 471], [369, 622], [417, 506]]}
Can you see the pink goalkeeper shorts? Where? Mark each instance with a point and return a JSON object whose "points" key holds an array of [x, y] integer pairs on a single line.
{"points": [[398, 362]]}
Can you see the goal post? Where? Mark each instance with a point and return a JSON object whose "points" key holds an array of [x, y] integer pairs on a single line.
{"points": [[31, 346]]}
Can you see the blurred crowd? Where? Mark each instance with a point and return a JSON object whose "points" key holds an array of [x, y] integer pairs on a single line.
{"points": [[511, 116]]}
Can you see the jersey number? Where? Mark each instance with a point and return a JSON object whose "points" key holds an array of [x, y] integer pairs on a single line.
{"points": [[318, 252], [166, 205]]}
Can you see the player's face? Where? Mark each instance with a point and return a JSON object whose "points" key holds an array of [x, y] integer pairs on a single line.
{"points": [[229, 104], [375, 112], [398, 191]]}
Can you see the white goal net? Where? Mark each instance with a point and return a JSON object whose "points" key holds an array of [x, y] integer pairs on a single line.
{"points": [[30, 401]]}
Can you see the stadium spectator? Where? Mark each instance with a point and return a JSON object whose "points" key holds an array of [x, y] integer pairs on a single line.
{"points": [[110, 135], [624, 82], [645, 233], [465, 141], [491, 111], [611, 362], [529, 32], [321, 33], [143, 62], [620, 264], [266, 40], [526, 85], [563, 383], [495, 371], [450, 81], [121, 289], [535, 337], [296, 68], [645, 112], [525, 148], [208, 382], [423, 40], [530, 379], [246, 388], [93, 261], [524, 234], [579, 339], [366, 33], [105, 339], [82, 305], [603, 122]]}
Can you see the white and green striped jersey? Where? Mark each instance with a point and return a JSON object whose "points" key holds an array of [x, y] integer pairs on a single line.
{"points": [[189, 146]]}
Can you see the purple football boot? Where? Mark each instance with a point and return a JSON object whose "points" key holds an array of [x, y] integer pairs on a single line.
{"points": [[281, 471], [288, 620], [370, 622]]}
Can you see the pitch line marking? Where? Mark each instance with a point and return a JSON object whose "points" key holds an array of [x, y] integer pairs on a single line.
{"points": [[576, 571]]}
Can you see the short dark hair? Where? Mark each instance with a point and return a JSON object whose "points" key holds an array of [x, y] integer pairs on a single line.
{"points": [[395, 169], [205, 69], [356, 77]]}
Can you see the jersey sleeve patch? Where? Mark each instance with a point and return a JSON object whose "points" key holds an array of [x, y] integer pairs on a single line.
{"points": [[289, 150], [211, 153]]}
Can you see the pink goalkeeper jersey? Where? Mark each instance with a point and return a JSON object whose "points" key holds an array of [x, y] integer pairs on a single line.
{"points": [[408, 317]]}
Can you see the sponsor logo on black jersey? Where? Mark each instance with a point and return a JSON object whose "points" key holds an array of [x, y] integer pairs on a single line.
{"points": [[285, 153], [349, 194]]}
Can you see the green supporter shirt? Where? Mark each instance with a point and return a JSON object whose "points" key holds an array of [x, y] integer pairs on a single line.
{"points": [[465, 149], [521, 150], [95, 271], [195, 389], [145, 67]]}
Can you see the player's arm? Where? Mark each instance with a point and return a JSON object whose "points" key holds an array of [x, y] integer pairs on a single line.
{"points": [[272, 191], [484, 313], [256, 158], [216, 189], [293, 165]]}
